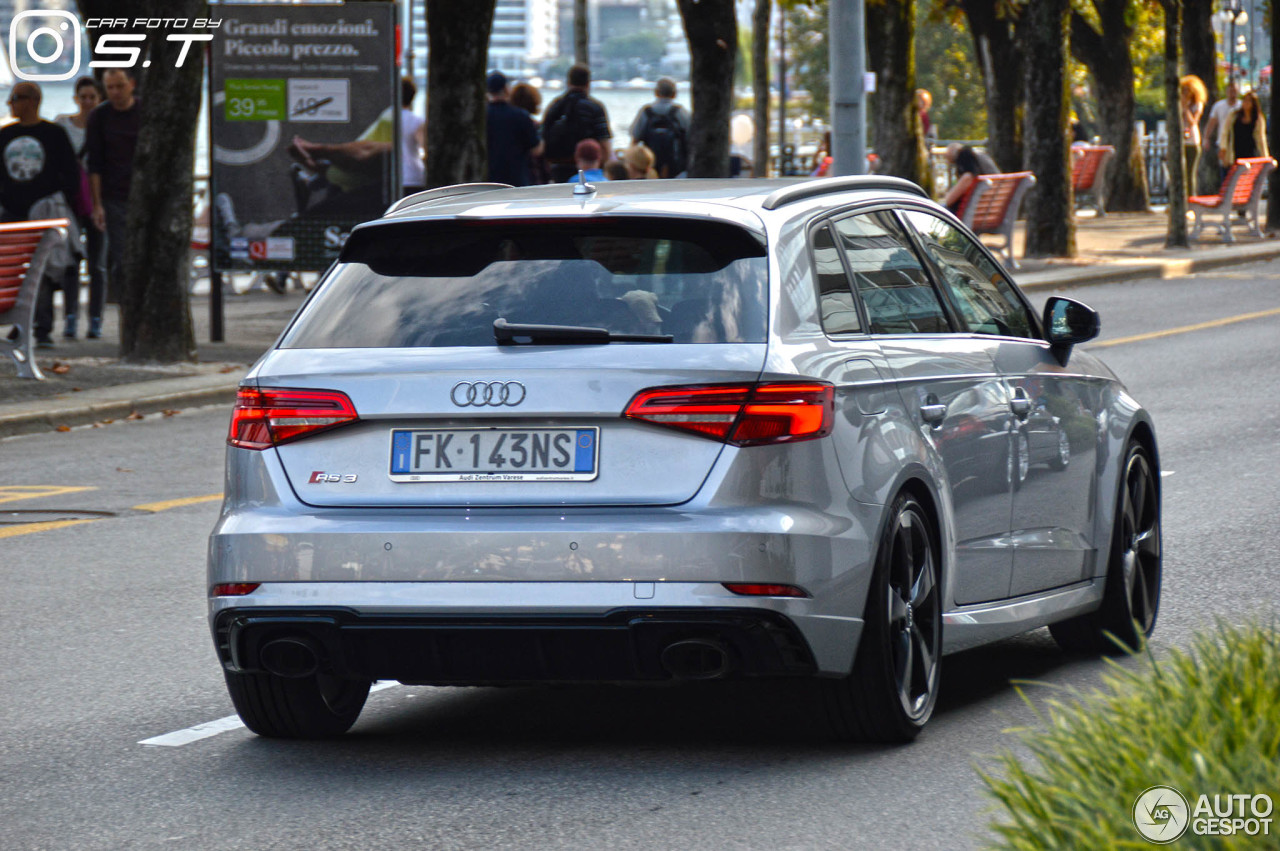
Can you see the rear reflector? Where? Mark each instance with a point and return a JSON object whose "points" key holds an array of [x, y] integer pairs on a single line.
{"points": [[268, 416], [753, 589], [741, 414], [235, 589]]}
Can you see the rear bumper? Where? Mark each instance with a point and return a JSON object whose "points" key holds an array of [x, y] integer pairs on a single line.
{"points": [[485, 632], [625, 645]]}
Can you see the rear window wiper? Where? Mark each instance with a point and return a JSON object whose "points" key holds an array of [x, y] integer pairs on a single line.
{"points": [[516, 334]]}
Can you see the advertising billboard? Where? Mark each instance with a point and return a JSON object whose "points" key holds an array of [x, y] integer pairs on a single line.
{"points": [[303, 123]]}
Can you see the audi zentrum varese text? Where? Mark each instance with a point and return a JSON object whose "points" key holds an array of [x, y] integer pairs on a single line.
{"points": [[649, 431]]}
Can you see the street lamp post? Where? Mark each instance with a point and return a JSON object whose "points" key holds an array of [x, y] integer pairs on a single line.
{"points": [[1233, 13]]}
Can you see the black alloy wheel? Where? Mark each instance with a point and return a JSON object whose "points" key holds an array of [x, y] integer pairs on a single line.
{"points": [[894, 685], [1131, 599]]}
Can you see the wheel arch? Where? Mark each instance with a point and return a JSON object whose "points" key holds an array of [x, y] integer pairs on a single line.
{"points": [[917, 482]]}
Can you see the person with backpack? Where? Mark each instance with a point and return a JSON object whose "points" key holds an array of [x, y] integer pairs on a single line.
{"points": [[570, 118], [663, 126]]}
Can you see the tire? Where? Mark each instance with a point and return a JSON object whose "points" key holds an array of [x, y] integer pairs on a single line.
{"points": [[893, 687], [1131, 598], [1062, 458], [315, 707]]}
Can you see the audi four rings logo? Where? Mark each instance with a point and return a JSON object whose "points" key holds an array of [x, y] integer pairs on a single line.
{"points": [[492, 394]]}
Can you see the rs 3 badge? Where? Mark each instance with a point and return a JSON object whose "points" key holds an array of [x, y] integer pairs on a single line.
{"points": [[320, 477]]}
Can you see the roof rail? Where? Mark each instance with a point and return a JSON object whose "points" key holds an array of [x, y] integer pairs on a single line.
{"points": [[443, 192], [825, 185]]}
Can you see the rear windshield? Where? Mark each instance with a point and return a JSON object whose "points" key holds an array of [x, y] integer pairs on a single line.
{"points": [[426, 284]]}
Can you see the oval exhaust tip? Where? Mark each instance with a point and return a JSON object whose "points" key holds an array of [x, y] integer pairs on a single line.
{"points": [[292, 657], [696, 659]]}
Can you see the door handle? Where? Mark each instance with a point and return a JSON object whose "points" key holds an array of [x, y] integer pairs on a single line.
{"points": [[1020, 404], [932, 411]]}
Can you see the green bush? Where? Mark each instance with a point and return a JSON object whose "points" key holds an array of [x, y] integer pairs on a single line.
{"points": [[1204, 722]]}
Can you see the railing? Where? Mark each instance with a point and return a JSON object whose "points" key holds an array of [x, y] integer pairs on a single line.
{"points": [[1154, 152]]}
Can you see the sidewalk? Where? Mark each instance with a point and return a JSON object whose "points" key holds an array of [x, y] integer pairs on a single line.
{"points": [[86, 384]]}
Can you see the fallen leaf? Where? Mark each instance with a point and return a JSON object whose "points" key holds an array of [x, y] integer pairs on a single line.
{"points": [[169, 412], [134, 416], [227, 369], [107, 422], [64, 428], [60, 368], [123, 470], [75, 389]]}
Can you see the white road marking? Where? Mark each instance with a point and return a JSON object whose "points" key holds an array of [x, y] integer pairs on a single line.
{"points": [[222, 725]]}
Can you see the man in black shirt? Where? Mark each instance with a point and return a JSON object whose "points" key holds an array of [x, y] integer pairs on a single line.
{"points": [[38, 162], [569, 119], [110, 140], [512, 136]]}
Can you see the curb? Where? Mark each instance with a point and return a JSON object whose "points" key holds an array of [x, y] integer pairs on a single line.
{"points": [[1125, 270], [116, 403]]}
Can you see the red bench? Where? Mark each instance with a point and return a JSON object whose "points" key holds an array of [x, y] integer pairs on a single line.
{"points": [[1088, 173], [992, 207], [24, 253], [1240, 190]]}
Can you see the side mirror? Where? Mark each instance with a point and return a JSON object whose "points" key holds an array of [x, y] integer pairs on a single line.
{"points": [[1067, 322]]}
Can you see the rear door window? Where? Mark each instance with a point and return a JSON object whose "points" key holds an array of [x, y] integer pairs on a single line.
{"points": [[839, 310], [432, 284], [897, 293]]}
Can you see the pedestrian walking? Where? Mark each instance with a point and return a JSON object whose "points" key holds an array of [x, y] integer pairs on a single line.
{"points": [[110, 140], [528, 98], [1216, 128], [512, 135], [923, 102], [413, 169], [1192, 96], [571, 118], [88, 95], [663, 126], [586, 158], [39, 178], [1246, 135]]}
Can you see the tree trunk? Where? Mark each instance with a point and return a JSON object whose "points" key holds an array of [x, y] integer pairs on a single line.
{"points": [[1199, 53], [456, 101], [996, 51], [1200, 57], [1050, 218], [711, 28], [898, 134], [1108, 57], [155, 310], [581, 34], [1177, 232], [760, 85]]}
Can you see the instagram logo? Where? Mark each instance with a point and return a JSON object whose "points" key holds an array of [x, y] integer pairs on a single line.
{"points": [[57, 26]]}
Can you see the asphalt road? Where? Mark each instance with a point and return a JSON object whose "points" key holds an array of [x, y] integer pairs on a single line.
{"points": [[104, 642]]}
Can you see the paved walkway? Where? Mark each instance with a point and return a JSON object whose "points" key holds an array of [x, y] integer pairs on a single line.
{"points": [[88, 384]]}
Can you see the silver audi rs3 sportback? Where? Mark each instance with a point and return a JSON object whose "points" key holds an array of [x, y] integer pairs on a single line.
{"points": [[673, 430]]}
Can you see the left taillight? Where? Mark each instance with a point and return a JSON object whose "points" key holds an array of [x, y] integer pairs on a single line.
{"points": [[269, 416], [741, 414]]}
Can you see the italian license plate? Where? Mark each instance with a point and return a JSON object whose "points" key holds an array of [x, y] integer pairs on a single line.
{"points": [[495, 455]]}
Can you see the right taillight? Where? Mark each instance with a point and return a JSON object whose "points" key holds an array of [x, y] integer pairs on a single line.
{"points": [[268, 416], [741, 414]]}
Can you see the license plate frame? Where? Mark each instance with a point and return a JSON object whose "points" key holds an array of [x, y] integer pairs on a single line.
{"points": [[407, 450]]}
